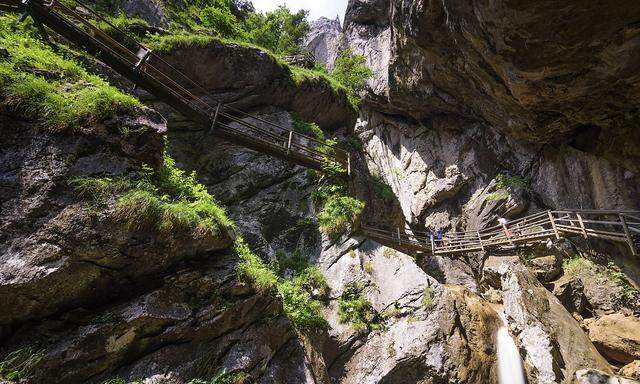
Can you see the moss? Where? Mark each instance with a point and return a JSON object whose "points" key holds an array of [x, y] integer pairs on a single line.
{"points": [[56, 92], [368, 267], [506, 183], [306, 128]]}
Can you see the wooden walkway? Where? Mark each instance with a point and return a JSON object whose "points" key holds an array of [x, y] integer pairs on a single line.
{"points": [[617, 226], [149, 71]]}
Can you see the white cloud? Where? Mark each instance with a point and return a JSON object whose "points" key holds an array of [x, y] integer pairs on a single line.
{"points": [[326, 8]]}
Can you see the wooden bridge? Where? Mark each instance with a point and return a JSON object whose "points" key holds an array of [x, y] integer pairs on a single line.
{"points": [[617, 226], [149, 71]]}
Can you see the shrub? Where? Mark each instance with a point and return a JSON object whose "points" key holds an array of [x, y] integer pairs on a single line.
{"points": [[297, 294], [338, 212], [351, 72], [225, 377], [279, 31], [355, 309], [309, 129], [505, 183]]}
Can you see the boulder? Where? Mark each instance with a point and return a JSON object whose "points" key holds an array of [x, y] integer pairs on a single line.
{"points": [[593, 376], [631, 370], [617, 337], [546, 268], [571, 295]]}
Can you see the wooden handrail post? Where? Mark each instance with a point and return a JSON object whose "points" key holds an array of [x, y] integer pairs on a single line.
{"points": [[433, 244], [553, 225], [215, 117], [584, 230], [480, 240], [628, 234], [348, 163]]}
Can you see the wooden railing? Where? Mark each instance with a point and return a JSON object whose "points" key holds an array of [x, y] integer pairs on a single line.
{"points": [[151, 72], [617, 226]]}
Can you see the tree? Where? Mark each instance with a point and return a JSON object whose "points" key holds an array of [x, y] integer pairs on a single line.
{"points": [[350, 70], [279, 31]]}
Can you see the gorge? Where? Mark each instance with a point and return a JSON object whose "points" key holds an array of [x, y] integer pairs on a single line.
{"points": [[118, 265]]}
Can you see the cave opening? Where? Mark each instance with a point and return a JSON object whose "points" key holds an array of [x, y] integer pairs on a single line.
{"points": [[585, 137]]}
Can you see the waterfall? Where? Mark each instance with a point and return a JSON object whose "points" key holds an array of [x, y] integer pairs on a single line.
{"points": [[510, 369]]}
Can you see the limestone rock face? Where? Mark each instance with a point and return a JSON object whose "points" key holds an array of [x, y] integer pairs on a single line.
{"points": [[553, 344], [152, 11], [324, 40], [617, 336]]}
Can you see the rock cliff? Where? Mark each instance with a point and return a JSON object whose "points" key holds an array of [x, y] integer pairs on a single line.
{"points": [[463, 95]]}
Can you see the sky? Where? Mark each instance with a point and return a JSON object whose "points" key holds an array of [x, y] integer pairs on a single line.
{"points": [[326, 8]]}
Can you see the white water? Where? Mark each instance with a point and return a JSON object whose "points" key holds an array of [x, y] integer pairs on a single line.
{"points": [[510, 369]]}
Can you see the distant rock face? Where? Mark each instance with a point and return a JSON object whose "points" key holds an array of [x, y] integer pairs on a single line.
{"points": [[151, 11], [324, 40]]}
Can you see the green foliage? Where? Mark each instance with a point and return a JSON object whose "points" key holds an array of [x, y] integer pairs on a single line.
{"points": [[279, 31], [338, 212], [623, 292], [169, 200], [56, 92], [350, 70], [252, 269], [119, 380], [19, 364], [355, 309], [428, 298], [225, 377], [505, 183], [167, 43], [381, 188], [368, 267], [309, 129], [298, 294]]}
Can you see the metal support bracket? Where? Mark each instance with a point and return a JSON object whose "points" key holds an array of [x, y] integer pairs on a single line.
{"points": [[143, 55]]}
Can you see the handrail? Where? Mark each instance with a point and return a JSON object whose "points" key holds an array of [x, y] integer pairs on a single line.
{"points": [[618, 226], [151, 72]]}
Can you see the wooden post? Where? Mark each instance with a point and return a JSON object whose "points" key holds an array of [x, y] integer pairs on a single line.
{"points": [[215, 118], [480, 239], [433, 245], [628, 234], [289, 142], [399, 242], [553, 225], [348, 164], [584, 231]]}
